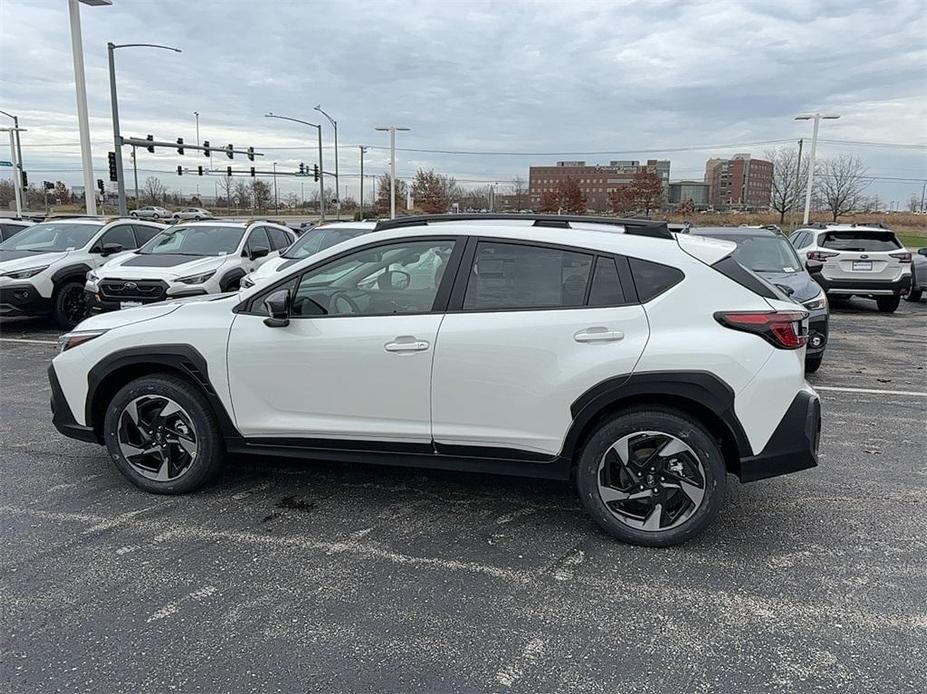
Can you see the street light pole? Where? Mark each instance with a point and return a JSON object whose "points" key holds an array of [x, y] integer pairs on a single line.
{"points": [[17, 171], [362, 150], [117, 138], [275, 188], [816, 117], [196, 115], [19, 151], [337, 177], [135, 174], [321, 171], [391, 129]]}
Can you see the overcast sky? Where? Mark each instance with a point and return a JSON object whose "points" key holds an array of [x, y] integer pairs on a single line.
{"points": [[545, 77]]}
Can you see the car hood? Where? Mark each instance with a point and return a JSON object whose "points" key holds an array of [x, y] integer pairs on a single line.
{"points": [[162, 265], [23, 260], [128, 316], [801, 284]]}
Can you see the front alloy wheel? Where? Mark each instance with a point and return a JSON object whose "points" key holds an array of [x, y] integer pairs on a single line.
{"points": [[157, 438]]}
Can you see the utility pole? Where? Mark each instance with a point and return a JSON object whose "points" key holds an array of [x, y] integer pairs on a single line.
{"points": [[337, 177], [80, 84], [275, 189], [135, 173], [797, 174], [363, 149], [923, 190], [17, 172], [196, 115], [391, 129], [817, 118]]}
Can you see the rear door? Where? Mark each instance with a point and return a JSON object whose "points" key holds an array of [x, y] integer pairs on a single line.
{"points": [[529, 329], [861, 254]]}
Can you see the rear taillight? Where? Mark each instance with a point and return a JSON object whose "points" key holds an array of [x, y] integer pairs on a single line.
{"points": [[903, 257], [820, 256], [782, 329]]}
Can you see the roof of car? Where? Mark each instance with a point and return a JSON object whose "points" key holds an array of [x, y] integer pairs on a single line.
{"points": [[733, 231], [346, 225], [871, 226]]}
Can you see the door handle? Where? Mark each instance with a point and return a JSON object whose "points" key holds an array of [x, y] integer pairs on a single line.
{"points": [[598, 334], [406, 343]]}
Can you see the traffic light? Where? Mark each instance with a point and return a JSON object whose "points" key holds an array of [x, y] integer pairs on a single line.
{"points": [[24, 178], [100, 185], [199, 170], [252, 172], [228, 171], [250, 153], [228, 151], [150, 148], [302, 169], [111, 156], [206, 147], [179, 145], [315, 172], [180, 171]]}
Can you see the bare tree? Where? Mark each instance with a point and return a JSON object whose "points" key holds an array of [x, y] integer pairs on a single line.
{"points": [[914, 203], [153, 191], [842, 182], [520, 193], [382, 203], [241, 194], [260, 193], [226, 185], [788, 184]]}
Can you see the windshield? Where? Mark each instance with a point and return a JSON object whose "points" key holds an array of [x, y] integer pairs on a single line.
{"points": [[764, 253], [860, 241], [51, 236], [319, 239], [195, 240]]}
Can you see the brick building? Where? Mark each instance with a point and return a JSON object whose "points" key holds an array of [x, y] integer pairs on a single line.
{"points": [[741, 182], [695, 192], [596, 181]]}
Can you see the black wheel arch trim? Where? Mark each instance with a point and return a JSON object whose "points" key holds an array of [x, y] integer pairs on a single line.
{"points": [[69, 272], [232, 275]]}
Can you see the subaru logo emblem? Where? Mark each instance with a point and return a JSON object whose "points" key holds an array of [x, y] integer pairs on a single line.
{"points": [[864, 256], [130, 285]]}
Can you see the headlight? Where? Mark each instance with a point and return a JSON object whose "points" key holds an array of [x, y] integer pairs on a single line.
{"points": [[820, 301], [24, 274], [69, 340], [197, 279], [93, 276]]}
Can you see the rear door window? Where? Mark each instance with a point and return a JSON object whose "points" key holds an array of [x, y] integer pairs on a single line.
{"points": [[122, 235], [279, 239], [606, 286], [866, 241], [257, 239], [144, 234]]}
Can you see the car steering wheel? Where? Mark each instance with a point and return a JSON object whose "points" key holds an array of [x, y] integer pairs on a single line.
{"points": [[342, 295]]}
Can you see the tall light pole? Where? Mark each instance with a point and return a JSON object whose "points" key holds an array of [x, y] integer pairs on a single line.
{"points": [[275, 188], [363, 149], [117, 138], [391, 129], [196, 115], [80, 84], [19, 150], [817, 118], [337, 177], [321, 171], [17, 171]]}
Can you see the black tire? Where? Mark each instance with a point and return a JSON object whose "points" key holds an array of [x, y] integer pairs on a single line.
{"points": [[155, 216], [812, 364], [675, 424], [134, 214], [888, 304], [913, 293], [210, 449], [69, 306]]}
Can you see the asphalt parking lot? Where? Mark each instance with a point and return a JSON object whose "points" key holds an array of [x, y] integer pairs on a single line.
{"points": [[294, 576]]}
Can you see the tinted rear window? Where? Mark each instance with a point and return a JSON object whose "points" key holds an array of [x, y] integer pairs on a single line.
{"points": [[606, 287], [652, 279], [860, 241]]}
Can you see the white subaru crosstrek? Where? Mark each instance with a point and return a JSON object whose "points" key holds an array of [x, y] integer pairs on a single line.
{"points": [[43, 268], [858, 259], [642, 365], [189, 259]]}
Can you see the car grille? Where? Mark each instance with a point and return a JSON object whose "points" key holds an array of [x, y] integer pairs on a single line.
{"points": [[134, 290]]}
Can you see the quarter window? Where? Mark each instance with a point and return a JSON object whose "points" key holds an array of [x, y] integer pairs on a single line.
{"points": [[652, 279], [515, 276], [145, 234]]}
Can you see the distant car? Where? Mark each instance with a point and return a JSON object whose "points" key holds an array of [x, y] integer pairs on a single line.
{"points": [[194, 213], [151, 212], [859, 260], [310, 243], [11, 227], [918, 276], [769, 254]]}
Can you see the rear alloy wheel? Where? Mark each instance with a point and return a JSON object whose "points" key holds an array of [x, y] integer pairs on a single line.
{"points": [[70, 306], [651, 477], [888, 304], [162, 435]]}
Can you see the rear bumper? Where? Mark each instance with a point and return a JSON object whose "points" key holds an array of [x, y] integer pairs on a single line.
{"points": [[863, 287], [63, 418], [22, 300], [793, 445]]}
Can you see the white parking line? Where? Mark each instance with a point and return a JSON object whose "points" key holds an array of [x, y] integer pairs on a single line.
{"points": [[31, 342], [875, 391]]}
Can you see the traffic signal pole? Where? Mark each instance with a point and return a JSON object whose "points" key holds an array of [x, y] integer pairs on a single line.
{"points": [[117, 138]]}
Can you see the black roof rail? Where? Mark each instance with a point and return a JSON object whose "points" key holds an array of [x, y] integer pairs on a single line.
{"points": [[637, 227], [875, 225]]}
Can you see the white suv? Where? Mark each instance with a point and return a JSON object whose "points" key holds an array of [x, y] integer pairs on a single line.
{"points": [[643, 366], [861, 260], [43, 268], [188, 259]]}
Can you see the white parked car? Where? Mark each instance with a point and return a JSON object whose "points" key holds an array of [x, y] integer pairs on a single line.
{"points": [[43, 267], [188, 259], [642, 366], [195, 214], [858, 260], [151, 212], [311, 242]]}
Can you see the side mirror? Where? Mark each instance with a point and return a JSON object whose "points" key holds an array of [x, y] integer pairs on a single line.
{"points": [[277, 306], [814, 267], [110, 249], [259, 253]]}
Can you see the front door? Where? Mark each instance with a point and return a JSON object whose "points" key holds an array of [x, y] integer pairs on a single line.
{"points": [[355, 361]]}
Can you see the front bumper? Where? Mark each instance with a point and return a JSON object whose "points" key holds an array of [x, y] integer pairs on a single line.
{"points": [[793, 445], [101, 304], [22, 300], [862, 287], [63, 418]]}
